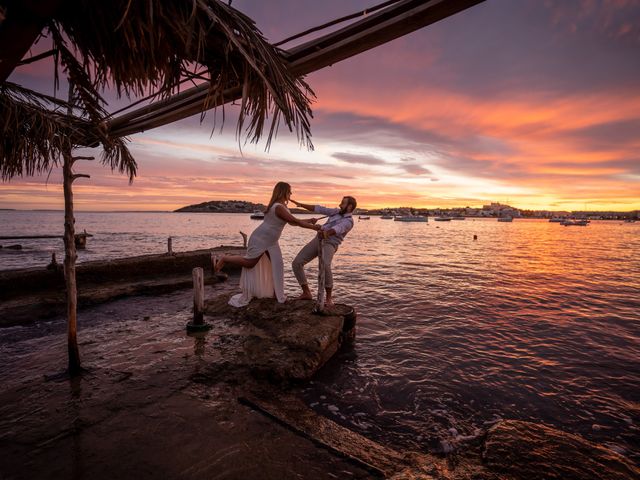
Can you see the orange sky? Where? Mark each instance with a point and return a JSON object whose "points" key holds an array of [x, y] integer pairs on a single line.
{"points": [[535, 104]]}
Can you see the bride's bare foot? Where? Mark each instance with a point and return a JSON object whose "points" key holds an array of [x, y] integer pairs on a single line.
{"points": [[329, 304], [304, 296]]}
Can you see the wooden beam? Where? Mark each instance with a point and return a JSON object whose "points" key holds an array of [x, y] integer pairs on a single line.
{"points": [[374, 30]]}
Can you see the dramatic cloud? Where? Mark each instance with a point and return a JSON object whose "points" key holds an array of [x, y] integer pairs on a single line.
{"points": [[354, 158], [532, 101], [416, 169]]}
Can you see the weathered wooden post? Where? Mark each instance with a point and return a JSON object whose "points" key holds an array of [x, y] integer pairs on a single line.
{"points": [[197, 324], [198, 296], [169, 246], [54, 264], [80, 240], [349, 325]]}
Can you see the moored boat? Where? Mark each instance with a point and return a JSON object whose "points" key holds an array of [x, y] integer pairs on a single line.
{"points": [[505, 219], [443, 219], [257, 215], [575, 223], [411, 218]]}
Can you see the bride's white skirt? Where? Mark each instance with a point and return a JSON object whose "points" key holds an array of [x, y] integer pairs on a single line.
{"points": [[258, 282]]}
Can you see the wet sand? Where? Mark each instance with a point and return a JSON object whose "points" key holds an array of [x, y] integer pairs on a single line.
{"points": [[146, 407]]}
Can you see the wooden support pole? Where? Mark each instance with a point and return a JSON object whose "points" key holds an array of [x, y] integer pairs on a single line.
{"points": [[197, 324], [169, 246], [319, 308], [70, 257], [198, 296]]}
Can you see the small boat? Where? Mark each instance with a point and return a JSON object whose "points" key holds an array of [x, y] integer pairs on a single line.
{"points": [[364, 217], [411, 218], [387, 217], [443, 219], [505, 219], [257, 215], [575, 223]]}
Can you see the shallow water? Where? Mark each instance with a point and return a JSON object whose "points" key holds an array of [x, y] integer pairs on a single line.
{"points": [[532, 321]]}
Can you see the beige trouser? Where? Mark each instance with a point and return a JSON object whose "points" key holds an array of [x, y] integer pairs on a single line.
{"points": [[308, 253]]}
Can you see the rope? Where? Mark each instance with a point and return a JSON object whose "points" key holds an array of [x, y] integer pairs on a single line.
{"points": [[320, 302]]}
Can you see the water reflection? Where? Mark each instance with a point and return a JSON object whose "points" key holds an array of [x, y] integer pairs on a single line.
{"points": [[532, 320]]}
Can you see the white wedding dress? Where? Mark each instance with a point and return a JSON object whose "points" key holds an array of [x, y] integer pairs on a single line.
{"points": [[266, 279]]}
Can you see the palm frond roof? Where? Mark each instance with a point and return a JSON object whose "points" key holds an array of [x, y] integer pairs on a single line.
{"points": [[141, 47]]}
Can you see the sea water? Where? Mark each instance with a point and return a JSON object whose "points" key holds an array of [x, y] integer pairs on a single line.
{"points": [[532, 321]]}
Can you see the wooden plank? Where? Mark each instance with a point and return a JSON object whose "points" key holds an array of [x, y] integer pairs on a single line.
{"points": [[25, 237], [297, 417], [378, 31], [170, 113]]}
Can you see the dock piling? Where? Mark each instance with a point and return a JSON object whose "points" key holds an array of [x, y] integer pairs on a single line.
{"points": [[197, 324]]}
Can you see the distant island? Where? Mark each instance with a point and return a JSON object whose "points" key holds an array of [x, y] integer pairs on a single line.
{"points": [[223, 206], [229, 206], [491, 210]]}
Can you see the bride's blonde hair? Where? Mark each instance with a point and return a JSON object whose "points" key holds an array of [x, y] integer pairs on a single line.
{"points": [[280, 191]]}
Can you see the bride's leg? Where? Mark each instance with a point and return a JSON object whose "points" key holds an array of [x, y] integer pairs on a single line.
{"points": [[277, 271], [235, 260]]}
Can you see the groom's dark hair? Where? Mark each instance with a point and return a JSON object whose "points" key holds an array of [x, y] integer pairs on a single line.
{"points": [[351, 201]]}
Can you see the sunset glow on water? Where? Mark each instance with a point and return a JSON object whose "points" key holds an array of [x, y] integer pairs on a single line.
{"points": [[531, 321]]}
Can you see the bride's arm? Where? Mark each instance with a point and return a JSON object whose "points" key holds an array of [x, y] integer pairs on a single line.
{"points": [[284, 214]]}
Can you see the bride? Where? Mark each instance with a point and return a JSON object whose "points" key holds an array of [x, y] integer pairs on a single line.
{"points": [[263, 275]]}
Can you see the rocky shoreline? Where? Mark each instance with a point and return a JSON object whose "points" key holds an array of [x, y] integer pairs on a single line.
{"points": [[39, 293]]}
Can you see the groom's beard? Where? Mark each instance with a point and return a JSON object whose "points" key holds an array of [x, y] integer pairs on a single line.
{"points": [[342, 211]]}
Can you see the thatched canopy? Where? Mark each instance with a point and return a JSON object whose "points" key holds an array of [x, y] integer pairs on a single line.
{"points": [[137, 48], [147, 47]]}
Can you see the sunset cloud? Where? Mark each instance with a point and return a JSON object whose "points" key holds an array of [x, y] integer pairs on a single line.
{"points": [[355, 158], [534, 102]]}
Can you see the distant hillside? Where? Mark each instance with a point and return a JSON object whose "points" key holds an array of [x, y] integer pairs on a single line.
{"points": [[224, 206]]}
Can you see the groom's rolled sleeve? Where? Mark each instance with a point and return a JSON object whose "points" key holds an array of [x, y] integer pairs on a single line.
{"points": [[325, 211]]}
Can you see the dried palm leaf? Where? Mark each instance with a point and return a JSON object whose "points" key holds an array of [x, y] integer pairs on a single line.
{"points": [[145, 46], [36, 131]]}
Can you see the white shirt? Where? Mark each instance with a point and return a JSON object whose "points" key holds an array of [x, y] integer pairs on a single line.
{"points": [[341, 224]]}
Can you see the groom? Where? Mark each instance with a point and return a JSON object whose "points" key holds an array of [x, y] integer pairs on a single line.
{"points": [[333, 232]]}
